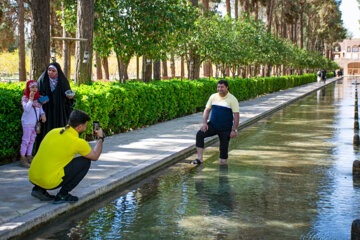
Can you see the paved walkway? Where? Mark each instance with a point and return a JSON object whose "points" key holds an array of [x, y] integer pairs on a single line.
{"points": [[125, 157]]}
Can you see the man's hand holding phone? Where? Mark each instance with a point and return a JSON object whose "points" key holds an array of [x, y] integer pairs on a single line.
{"points": [[97, 131]]}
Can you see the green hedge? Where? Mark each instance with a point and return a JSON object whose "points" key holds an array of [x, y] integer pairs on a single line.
{"points": [[123, 107]]}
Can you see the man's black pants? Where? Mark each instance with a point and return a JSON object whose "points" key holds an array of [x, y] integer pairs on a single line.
{"points": [[75, 171], [224, 137]]}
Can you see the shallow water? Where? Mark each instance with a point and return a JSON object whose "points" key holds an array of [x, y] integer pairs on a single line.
{"points": [[288, 177]]}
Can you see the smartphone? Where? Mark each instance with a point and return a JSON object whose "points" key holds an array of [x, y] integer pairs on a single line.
{"points": [[43, 99], [96, 126]]}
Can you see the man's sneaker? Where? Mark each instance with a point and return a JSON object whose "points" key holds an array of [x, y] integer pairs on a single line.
{"points": [[196, 162], [68, 198], [42, 195]]}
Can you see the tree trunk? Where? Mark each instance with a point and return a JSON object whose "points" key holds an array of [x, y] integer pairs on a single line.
{"points": [[147, 69], [256, 70], [157, 70], [331, 53], [164, 69], [227, 72], [277, 26], [105, 65], [52, 26], [85, 27], [182, 70], [295, 34], [228, 8], [194, 68], [137, 68], [301, 30], [66, 56], [40, 37], [66, 51], [205, 6], [207, 66], [283, 23], [308, 41], [172, 66], [290, 32], [119, 68], [236, 9], [268, 70], [188, 69], [256, 11], [124, 70], [21, 41], [269, 13], [327, 51], [246, 5], [98, 67]]}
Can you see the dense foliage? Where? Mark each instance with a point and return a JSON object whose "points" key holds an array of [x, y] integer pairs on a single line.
{"points": [[232, 43], [160, 29], [121, 107]]}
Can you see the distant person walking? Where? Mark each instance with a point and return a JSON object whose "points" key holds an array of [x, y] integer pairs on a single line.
{"points": [[318, 76], [323, 75], [54, 165], [33, 112], [224, 121]]}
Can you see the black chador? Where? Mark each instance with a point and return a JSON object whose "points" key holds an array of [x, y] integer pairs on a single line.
{"points": [[59, 107]]}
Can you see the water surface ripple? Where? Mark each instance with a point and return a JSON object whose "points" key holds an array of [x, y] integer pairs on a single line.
{"points": [[287, 177]]}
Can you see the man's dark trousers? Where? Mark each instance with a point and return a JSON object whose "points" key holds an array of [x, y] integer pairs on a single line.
{"points": [[224, 137]]}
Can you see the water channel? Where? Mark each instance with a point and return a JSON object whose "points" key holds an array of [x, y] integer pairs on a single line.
{"points": [[288, 177]]}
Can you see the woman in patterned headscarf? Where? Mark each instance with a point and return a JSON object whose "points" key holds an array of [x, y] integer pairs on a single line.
{"points": [[53, 83]]}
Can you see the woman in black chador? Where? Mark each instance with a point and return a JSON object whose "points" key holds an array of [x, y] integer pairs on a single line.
{"points": [[53, 83]]}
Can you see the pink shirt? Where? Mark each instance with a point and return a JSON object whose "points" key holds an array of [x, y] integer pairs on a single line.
{"points": [[28, 118]]}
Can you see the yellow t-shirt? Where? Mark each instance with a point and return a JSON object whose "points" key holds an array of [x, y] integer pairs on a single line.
{"points": [[55, 152]]}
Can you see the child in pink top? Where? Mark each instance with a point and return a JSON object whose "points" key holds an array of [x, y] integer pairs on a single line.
{"points": [[32, 113]]}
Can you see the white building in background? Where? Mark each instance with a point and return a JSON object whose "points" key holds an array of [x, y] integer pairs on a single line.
{"points": [[347, 55]]}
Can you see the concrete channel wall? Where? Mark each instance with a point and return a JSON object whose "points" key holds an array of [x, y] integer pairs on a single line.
{"points": [[126, 157]]}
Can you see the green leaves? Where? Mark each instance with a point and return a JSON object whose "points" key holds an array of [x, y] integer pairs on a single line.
{"points": [[157, 28]]}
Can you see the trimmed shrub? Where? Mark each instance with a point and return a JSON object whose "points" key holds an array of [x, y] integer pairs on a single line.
{"points": [[123, 107]]}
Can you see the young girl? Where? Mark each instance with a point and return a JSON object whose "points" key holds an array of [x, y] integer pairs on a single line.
{"points": [[32, 113]]}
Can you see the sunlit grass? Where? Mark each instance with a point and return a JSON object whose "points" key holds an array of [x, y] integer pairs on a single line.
{"points": [[9, 63]]}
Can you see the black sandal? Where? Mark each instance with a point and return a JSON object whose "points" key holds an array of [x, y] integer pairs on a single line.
{"points": [[196, 162]]}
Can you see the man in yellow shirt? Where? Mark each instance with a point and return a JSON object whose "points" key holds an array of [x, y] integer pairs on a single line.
{"points": [[55, 165], [224, 121]]}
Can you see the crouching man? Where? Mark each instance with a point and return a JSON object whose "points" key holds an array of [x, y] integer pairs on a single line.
{"points": [[55, 165]]}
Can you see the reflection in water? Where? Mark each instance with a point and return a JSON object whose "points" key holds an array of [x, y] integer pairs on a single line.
{"points": [[287, 177], [219, 200], [217, 203]]}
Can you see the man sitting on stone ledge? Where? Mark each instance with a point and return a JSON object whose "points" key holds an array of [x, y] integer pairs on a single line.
{"points": [[54, 165]]}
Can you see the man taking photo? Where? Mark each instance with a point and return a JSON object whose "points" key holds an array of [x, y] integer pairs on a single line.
{"points": [[224, 121], [55, 165]]}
